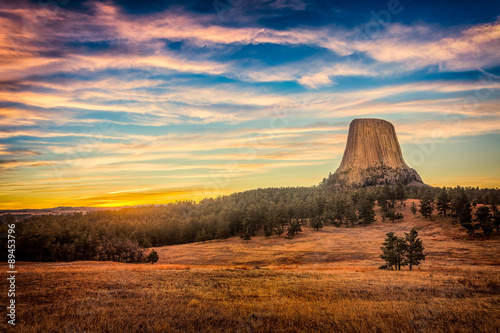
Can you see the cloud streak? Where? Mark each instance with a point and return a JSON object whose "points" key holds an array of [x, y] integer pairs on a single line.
{"points": [[101, 95]]}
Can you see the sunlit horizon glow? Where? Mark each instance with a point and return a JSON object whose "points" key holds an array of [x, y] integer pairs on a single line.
{"points": [[110, 104]]}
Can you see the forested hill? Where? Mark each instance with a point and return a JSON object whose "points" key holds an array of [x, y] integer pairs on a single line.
{"points": [[121, 234]]}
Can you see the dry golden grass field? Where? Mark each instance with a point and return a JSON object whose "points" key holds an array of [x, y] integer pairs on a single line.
{"points": [[320, 281]]}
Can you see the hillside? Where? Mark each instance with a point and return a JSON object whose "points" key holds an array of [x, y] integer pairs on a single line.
{"points": [[320, 281], [330, 247]]}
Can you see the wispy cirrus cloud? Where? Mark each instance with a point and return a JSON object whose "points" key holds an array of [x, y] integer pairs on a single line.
{"points": [[412, 47], [181, 95]]}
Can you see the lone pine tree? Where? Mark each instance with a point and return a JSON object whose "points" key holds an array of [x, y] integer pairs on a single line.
{"points": [[414, 249], [401, 251], [413, 209], [153, 257], [393, 251]]}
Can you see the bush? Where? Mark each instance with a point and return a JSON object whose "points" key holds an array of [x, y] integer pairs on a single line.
{"points": [[153, 257]]}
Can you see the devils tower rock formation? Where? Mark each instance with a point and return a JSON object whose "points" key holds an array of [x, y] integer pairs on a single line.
{"points": [[373, 157]]}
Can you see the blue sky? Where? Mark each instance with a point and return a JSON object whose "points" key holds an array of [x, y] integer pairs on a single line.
{"points": [[107, 103]]}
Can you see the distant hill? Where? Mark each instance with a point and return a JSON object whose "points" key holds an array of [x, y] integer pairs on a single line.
{"points": [[55, 210]]}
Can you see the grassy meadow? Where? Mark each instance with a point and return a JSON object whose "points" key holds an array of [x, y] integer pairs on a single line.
{"points": [[325, 281]]}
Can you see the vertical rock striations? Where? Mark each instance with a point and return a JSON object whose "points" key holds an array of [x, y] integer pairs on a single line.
{"points": [[373, 157]]}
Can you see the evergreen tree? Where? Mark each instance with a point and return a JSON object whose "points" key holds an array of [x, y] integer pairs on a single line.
{"points": [[327, 217], [283, 214], [413, 209], [393, 251], [339, 212], [427, 205], [496, 216], [271, 217], [393, 216], [382, 201], [268, 229], [442, 202], [461, 207], [279, 231], [401, 249], [316, 223], [483, 219], [400, 193], [153, 257], [246, 234], [414, 249], [202, 236], [392, 197], [252, 218], [350, 216], [294, 228], [311, 207], [223, 230], [366, 212]]}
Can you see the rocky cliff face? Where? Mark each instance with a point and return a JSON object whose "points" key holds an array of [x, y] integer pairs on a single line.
{"points": [[373, 156]]}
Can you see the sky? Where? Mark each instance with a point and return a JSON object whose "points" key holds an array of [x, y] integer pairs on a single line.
{"points": [[112, 103]]}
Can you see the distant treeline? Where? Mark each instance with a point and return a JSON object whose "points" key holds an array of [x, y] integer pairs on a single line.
{"points": [[121, 235]]}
